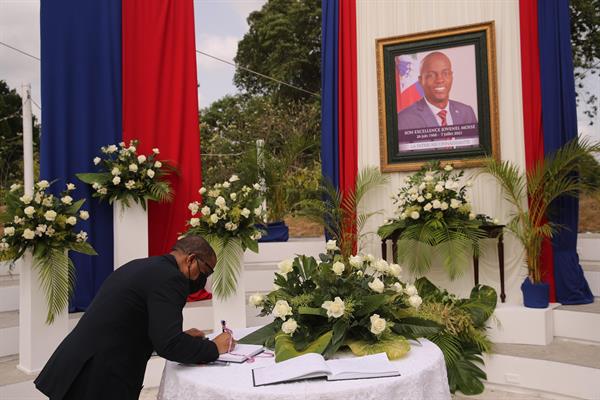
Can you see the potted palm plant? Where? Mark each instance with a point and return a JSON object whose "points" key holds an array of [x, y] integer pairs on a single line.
{"points": [[570, 170]]}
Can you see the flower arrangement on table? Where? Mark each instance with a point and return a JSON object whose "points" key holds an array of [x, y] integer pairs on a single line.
{"points": [[45, 225], [226, 217], [126, 175], [433, 211], [320, 306]]}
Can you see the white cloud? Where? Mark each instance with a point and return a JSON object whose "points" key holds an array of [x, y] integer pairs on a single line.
{"points": [[244, 7], [224, 47]]}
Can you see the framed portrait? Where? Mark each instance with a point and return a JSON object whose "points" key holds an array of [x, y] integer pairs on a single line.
{"points": [[438, 98]]}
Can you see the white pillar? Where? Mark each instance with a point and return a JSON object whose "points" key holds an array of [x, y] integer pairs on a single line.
{"points": [[130, 226], [27, 140], [37, 340], [232, 309]]}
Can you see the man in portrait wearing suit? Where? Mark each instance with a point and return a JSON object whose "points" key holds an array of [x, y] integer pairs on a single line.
{"points": [[435, 108], [137, 310]]}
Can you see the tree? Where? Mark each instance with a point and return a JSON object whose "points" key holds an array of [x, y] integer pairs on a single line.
{"points": [[284, 42], [11, 137], [585, 41]]}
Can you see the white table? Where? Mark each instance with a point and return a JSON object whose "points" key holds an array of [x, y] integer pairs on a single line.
{"points": [[423, 377]]}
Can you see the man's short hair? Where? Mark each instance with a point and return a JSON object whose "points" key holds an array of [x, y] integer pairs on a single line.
{"points": [[195, 244], [433, 53]]}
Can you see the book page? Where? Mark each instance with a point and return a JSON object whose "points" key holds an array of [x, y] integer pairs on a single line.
{"points": [[302, 367], [372, 366], [241, 353]]}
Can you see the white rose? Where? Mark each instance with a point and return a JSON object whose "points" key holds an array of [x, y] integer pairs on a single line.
{"points": [[397, 287], [81, 236], [9, 231], [26, 199], [285, 266], [256, 186], [436, 203], [233, 196], [448, 167], [334, 308], [282, 309], [234, 178], [141, 158], [331, 245], [193, 207], [380, 265], [157, 164], [415, 215], [356, 261], [256, 300], [133, 167], [395, 270], [428, 178], [403, 216], [214, 218], [17, 220], [411, 290], [205, 210], [202, 190], [84, 215], [129, 184], [116, 180], [256, 235], [420, 199], [377, 285], [245, 212], [28, 234], [369, 258], [415, 301], [377, 324], [427, 207], [428, 196], [156, 151], [111, 149], [229, 226], [258, 211], [439, 188], [226, 185], [115, 171], [29, 211], [472, 216], [450, 185], [444, 206], [103, 190], [289, 326], [220, 202], [14, 186], [43, 184], [38, 197], [455, 203], [71, 220], [97, 160], [338, 268], [50, 215], [150, 173], [194, 221]]}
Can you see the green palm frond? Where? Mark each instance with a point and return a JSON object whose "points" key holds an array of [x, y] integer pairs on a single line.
{"points": [[161, 191], [450, 346], [57, 278], [229, 254]]}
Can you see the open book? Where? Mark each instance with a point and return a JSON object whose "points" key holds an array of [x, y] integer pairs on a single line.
{"points": [[313, 365], [241, 353]]}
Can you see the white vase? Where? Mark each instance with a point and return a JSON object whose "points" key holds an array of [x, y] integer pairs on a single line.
{"points": [[232, 309], [37, 340], [130, 227]]}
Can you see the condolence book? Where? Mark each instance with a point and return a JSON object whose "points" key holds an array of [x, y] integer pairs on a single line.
{"points": [[313, 365], [241, 353]]}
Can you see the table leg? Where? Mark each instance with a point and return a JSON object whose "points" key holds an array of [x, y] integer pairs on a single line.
{"points": [[501, 262], [476, 269]]}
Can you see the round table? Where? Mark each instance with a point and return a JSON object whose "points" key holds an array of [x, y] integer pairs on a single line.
{"points": [[423, 377]]}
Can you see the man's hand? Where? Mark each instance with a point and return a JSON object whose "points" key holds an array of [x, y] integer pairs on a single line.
{"points": [[194, 332], [224, 342]]}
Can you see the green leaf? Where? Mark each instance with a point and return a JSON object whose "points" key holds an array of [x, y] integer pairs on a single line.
{"points": [[285, 349], [91, 177], [57, 277], [371, 303], [261, 335], [481, 304], [83, 247], [416, 327], [73, 208], [229, 254], [250, 243], [395, 346], [312, 311]]}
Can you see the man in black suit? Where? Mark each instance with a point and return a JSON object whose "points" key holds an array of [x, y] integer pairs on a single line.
{"points": [[136, 311]]}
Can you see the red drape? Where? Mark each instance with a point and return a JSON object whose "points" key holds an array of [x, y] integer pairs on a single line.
{"points": [[532, 111], [348, 98], [160, 102]]}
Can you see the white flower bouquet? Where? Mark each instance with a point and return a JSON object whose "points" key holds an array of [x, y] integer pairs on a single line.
{"points": [[319, 306], [227, 217], [45, 224], [126, 175]]}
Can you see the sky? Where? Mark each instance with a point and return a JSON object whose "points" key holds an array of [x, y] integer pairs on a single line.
{"points": [[219, 24]]}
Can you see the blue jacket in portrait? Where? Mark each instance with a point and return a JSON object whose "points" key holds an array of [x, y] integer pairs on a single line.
{"points": [[419, 115]]}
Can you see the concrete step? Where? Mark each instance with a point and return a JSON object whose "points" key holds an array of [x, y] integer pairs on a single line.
{"points": [[579, 322], [563, 367]]}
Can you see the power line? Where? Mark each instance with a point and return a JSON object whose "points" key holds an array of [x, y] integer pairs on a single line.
{"points": [[259, 74], [205, 54], [36, 104]]}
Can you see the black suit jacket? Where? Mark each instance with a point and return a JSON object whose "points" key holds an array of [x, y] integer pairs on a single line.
{"points": [[136, 311]]}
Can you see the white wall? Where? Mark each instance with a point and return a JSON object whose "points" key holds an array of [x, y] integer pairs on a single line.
{"points": [[380, 19]]}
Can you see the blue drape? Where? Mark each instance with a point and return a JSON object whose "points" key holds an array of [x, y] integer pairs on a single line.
{"points": [[559, 118], [81, 96], [329, 91]]}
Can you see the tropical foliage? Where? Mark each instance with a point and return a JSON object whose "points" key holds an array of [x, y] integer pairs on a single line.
{"points": [[434, 215], [320, 306], [463, 338], [226, 217], [126, 175], [339, 213], [45, 225], [571, 170]]}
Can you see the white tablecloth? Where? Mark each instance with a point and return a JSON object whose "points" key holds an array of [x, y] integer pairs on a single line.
{"points": [[423, 377]]}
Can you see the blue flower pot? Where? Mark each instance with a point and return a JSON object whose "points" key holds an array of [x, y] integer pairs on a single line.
{"points": [[276, 232], [535, 295]]}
